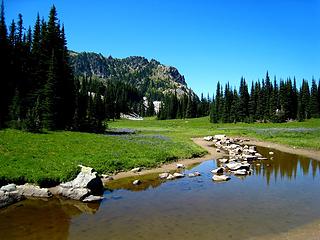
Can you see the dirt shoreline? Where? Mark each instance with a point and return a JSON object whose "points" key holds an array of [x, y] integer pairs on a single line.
{"points": [[213, 154]]}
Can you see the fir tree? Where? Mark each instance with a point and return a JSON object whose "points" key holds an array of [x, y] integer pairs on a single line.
{"points": [[314, 100], [4, 69]]}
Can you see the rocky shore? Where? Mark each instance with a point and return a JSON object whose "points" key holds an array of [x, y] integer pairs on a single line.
{"points": [[86, 187]]}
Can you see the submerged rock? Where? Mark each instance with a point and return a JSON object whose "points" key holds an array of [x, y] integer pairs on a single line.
{"points": [[92, 198], [194, 174]]}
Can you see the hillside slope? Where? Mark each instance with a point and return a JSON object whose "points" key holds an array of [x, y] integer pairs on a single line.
{"points": [[151, 77]]}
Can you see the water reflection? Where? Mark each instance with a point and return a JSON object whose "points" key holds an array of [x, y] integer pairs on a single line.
{"points": [[285, 166], [42, 219]]}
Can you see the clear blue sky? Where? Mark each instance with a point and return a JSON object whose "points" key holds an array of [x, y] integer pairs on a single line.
{"points": [[207, 40]]}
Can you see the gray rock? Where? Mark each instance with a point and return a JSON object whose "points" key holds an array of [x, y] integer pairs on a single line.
{"points": [[136, 182], [137, 169], [87, 178], [178, 175], [219, 170], [9, 188], [233, 166], [219, 136], [220, 178], [8, 198], [163, 175], [170, 177], [223, 160], [92, 198], [180, 165], [208, 138], [72, 193], [194, 174], [254, 148], [29, 190]]}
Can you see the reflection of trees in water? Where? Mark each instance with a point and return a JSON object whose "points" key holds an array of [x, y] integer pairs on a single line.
{"points": [[41, 219], [285, 165]]}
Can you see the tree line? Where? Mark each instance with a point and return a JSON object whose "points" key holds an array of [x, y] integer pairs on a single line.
{"points": [[187, 105], [38, 89], [267, 101]]}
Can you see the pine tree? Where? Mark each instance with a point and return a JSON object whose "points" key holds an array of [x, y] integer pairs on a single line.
{"points": [[314, 103], [213, 112], [33, 118], [4, 67], [150, 109], [304, 101], [49, 106], [243, 100], [252, 108]]}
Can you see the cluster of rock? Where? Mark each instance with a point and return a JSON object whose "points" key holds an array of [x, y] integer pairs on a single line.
{"points": [[13, 193], [169, 175], [240, 157], [175, 175], [86, 187]]}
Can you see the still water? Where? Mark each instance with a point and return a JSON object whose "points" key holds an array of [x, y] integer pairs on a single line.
{"points": [[281, 195]]}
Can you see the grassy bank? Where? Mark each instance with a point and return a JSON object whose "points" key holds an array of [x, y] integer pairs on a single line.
{"points": [[53, 157]]}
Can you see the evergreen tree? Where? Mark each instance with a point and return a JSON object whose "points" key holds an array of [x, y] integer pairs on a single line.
{"points": [[213, 112], [243, 100], [33, 118], [4, 69], [252, 108], [150, 109], [314, 100], [304, 100]]}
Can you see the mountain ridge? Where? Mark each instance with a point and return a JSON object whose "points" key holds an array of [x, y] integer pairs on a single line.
{"points": [[150, 76]]}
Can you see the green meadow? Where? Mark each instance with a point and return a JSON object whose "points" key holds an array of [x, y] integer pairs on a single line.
{"points": [[52, 157]]}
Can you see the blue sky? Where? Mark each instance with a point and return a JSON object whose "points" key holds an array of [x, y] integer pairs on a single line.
{"points": [[207, 40]]}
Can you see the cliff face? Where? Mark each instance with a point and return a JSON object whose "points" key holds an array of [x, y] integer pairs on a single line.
{"points": [[151, 77]]}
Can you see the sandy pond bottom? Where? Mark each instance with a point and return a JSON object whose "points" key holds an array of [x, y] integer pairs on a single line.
{"points": [[282, 196]]}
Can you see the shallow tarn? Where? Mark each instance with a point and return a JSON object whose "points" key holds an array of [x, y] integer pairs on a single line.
{"points": [[281, 195]]}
